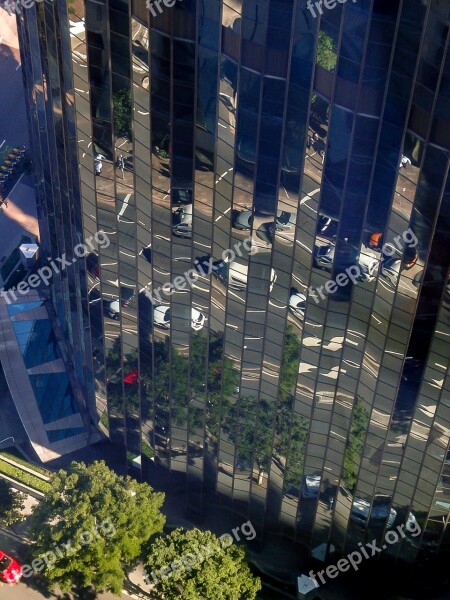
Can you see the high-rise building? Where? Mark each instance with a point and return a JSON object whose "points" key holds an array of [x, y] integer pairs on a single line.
{"points": [[266, 315]]}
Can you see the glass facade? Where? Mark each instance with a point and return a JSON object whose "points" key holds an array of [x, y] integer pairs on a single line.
{"points": [[269, 322]]}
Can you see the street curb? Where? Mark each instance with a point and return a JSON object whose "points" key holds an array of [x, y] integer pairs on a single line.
{"points": [[22, 487], [15, 536], [24, 468]]}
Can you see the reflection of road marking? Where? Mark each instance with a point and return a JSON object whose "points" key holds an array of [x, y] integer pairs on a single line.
{"points": [[126, 253], [220, 216], [236, 296], [124, 206], [377, 320], [223, 174], [305, 198]]}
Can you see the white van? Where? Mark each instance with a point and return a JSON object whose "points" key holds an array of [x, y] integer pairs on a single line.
{"points": [[235, 275]]}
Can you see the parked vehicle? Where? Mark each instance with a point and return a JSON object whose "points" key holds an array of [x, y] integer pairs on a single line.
{"points": [[112, 307], [368, 265], [297, 304], [235, 275], [311, 486], [92, 265], [181, 195], [162, 317], [10, 570], [244, 219], [182, 221], [379, 514], [327, 227]]}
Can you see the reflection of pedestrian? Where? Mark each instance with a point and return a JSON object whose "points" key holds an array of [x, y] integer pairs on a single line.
{"points": [[120, 163], [98, 163], [404, 161]]}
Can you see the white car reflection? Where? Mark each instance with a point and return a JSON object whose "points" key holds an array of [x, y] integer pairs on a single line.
{"points": [[162, 316], [297, 304]]}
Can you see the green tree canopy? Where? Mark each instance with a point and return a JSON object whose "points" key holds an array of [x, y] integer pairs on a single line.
{"points": [[326, 53], [197, 565], [122, 114], [11, 505], [104, 517]]}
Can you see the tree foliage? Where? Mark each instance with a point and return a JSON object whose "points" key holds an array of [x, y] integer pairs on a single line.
{"points": [[12, 504], [216, 570], [122, 114], [120, 514], [326, 53], [355, 443]]}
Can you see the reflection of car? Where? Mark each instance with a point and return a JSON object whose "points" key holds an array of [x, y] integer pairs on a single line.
{"points": [[235, 275], [392, 263], [327, 227], [324, 256], [367, 265], [180, 195], [147, 253], [311, 486], [182, 221], [92, 265], [297, 304], [380, 512], [376, 240], [10, 570], [161, 317], [244, 220], [112, 307], [390, 268]]}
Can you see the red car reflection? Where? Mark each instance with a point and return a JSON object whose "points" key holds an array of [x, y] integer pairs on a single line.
{"points": [[10, 570]]}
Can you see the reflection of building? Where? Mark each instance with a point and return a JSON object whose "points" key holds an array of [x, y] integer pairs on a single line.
{"points": [[290, 412]]}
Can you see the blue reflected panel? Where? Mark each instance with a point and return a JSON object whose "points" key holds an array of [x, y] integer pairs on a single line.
{"points": [[37, 342], [54, 396], [15, 309], [62, 434]]}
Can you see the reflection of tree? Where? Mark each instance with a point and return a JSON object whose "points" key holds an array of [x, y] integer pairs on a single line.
{"points": [[326, 53], [122, 114], [355, 444], [177, 386], [250, 426]]}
